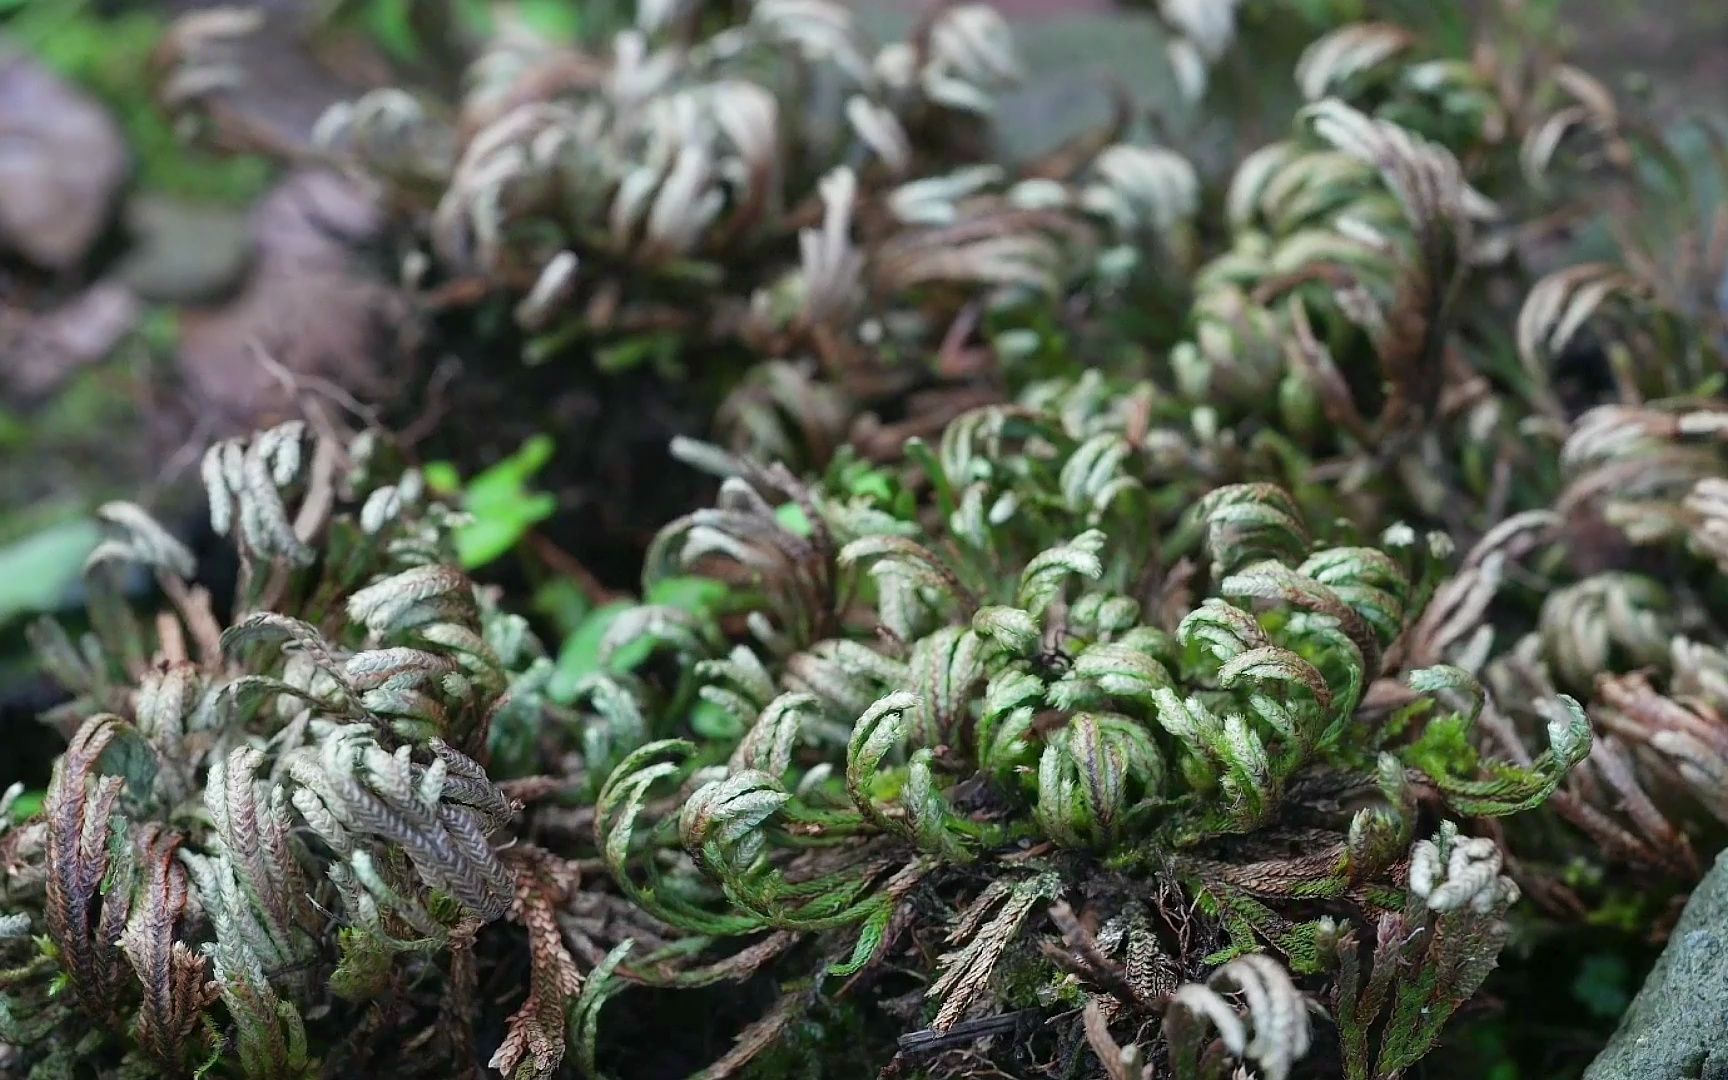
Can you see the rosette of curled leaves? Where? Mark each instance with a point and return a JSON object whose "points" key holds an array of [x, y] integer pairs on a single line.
{"points": [[1613, 579], [270, 844], [763, 186], [1630, 564], [1359, 307], [939, 725]]}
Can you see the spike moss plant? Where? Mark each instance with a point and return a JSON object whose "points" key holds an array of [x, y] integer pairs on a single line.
{"points": [[1134, 725], [992, 745], [270, 848], [1024, 740]]}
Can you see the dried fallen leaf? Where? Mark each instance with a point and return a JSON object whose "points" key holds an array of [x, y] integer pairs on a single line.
{"points": [[41, 352]]}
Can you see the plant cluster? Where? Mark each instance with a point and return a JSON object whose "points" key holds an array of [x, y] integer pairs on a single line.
{"points": [[948, 742], [264, 824], [760, 187], [1205, 710]]}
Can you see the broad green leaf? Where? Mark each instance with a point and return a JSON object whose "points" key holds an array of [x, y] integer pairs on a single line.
{"points": [[556, 20], [27, 805], [580, 654], [36, 571]]}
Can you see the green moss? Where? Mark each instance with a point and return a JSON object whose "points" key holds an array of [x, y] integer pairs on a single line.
{"points": [[824, 1042], [1024, 981]]}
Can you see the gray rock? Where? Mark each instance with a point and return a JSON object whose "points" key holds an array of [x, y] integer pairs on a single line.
{"points": [[1677, 1027], [1077, 55], [309, 318], [183, 253], [1075, 65], [62, 162]]}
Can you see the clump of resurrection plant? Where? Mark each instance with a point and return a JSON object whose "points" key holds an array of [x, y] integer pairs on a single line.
{"points": [[764, 188], [1372, 338], [271, 845], [1209, 709], [997, 733]]}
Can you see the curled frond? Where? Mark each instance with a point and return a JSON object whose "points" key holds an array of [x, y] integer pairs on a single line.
{"points": [[1273, 1032]]}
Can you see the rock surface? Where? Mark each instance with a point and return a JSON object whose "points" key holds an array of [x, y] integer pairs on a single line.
{"points": [[183, 252], [309, 318], [62, 162], [1677, 1027]]}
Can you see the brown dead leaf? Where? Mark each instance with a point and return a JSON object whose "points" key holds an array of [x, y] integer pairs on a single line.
{"points": [[38, 353], [249, 78]]}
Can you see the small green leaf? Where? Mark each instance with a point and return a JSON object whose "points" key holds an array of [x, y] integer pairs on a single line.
{"points": [[391, 23], [713, 722], [869, 939], [563, 602], [442, 477], [486, 539], [475, 17], [503, 482], [1603, 985], [658, 349], [792, 518], [26, 805], [580, 654], [697, 595], [556, 20], [870, 483], [1444, 748], [500, 502]]}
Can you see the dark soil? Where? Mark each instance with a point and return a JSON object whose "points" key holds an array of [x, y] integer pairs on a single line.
{"points": [[612, 473]]}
